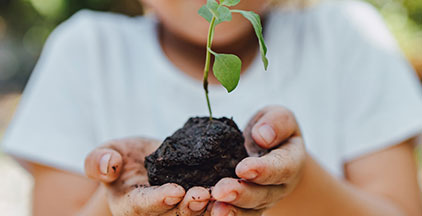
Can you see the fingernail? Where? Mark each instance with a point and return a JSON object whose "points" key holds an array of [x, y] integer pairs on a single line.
{"points": [[172, 200], [197, 206], [104, 163], [231, 213], [229, 198], [267, 133], [250, 175]]}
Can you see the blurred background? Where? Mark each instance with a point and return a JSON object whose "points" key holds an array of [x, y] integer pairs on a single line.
{"points": [[26, 24], [24, 27]]}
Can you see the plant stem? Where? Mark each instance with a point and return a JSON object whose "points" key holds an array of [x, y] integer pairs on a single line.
{"points": [[207, 62]]}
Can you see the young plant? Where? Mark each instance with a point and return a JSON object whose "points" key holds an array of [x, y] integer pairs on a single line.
{"points": [[204, 150], [227, 67]]}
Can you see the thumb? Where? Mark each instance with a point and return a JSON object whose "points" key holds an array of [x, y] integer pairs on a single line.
{"points": [[103, 164], [274, 127], [271, 126]]}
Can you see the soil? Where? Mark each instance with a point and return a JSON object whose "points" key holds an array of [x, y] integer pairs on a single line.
{"points": [[199, 154]]}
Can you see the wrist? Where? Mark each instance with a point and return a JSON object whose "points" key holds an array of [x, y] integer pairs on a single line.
{"points": [[310, 192], [97, 205]]}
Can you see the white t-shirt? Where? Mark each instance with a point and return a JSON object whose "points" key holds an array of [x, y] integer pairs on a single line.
{"points": [[104, 76]]}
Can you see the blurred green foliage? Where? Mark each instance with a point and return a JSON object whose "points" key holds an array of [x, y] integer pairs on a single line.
{"points": [[25, 25], [404, 18]]}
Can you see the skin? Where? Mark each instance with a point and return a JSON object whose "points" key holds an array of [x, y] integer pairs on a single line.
{"points": [[287, 181]]}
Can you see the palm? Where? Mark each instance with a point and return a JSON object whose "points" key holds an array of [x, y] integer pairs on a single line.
{"points": [[133, 173], [127, 183]]}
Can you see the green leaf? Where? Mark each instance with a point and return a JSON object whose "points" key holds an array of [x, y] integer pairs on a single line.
{"points": [[227, 70], [229, 2], [205, 12], [212, 8], [223, 14], [212, 5], [256, 23]]}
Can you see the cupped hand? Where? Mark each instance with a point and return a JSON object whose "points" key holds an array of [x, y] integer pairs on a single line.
{"points": [[119, 165], [277, 156]]}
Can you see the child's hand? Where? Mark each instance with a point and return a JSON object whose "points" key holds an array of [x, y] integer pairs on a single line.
{"points": [[269, 178], [120, 166]]}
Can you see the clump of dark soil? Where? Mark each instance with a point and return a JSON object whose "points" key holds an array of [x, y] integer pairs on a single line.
{"points": [[199, 154]]}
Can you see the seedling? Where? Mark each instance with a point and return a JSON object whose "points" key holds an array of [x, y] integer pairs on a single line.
{"points": [[227, 67], [206, 150]]}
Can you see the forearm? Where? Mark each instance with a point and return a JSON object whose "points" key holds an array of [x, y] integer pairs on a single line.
{"points": [[319, 193], [97, 205]]}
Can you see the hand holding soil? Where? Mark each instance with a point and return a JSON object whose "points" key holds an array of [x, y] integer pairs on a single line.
{"points": [[277, 154], [269, 178], [119, 165]]}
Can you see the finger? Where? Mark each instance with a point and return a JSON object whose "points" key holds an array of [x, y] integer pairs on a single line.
{"points": [[223, 209], [209, 208], [280, 166], [194, 202], [103, 164], [247, 195], [273, 126], [152, 200]]}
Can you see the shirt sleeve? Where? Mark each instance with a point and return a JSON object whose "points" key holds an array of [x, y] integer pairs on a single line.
{"points": [[54, 123], [381, 101]]}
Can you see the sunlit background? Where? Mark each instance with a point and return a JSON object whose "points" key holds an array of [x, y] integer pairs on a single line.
{"points": [[26, 24]]}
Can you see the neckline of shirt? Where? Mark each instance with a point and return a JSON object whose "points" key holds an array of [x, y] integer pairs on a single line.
{"points": [[177, 76]]}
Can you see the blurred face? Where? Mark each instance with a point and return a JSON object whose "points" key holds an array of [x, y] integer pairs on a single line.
{"points": [[181, 18]]}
